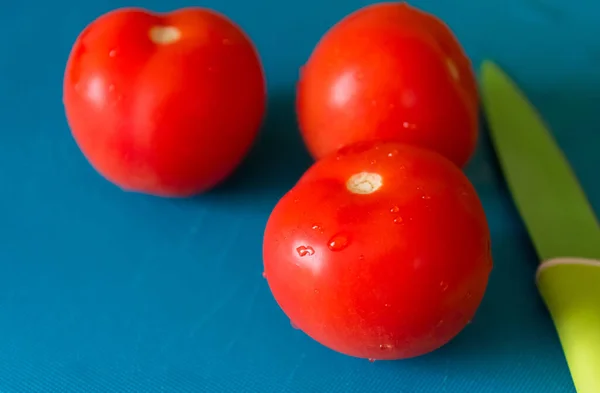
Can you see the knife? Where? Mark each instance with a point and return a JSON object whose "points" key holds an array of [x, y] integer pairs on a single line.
{"points": [[558, 217]]}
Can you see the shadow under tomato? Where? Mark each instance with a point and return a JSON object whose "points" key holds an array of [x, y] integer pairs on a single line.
{"points": [[275, 163], [483, 169]]}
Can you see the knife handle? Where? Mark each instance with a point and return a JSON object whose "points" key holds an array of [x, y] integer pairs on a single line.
{"points": [[570, 288]]}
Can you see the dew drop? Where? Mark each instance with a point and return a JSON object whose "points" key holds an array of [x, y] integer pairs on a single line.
{"points": [[398, 220], [112, 53], [444, 286], [426, 197], [395, 209], [264, 274], [387, 305], [373, 162], [393, 153], [361, 257], [338, 242], [386, 347], [371, 360], [316, 291], [305, 251], [293, 325], [316, 227]]}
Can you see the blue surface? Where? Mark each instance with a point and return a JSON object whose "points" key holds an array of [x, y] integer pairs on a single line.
{"points": [[105, 291]]}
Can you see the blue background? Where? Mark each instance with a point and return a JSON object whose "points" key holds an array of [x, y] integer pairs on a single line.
{"points": [[106, 291]]}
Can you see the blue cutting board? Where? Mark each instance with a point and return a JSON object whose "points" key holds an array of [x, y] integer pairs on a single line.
{"points": [[106, 291]]}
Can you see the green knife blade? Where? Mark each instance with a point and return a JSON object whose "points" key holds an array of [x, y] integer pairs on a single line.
{"points": [[556, 212], [558, 217]]}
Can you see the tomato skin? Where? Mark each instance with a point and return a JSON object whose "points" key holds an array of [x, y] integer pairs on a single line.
{"points": [[389, 72], [388, 275], [168, 119]]}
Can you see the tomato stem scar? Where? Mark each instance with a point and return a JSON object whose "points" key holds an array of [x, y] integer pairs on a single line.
{"points": [[364, 183], [164, 35]]}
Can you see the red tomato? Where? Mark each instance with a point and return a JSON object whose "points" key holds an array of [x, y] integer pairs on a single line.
{"points": [[391, 72], [164, 104], [381, 251]]}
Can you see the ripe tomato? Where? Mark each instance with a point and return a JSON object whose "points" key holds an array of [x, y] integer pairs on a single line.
{"points": [[164, 104], [381, 251], [391, 72]]}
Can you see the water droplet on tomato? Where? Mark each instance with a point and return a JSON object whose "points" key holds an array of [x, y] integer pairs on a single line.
{"points": [[393, 153], [426, 197], [371, 360], [440, 323], [316, 291], [373, 162], [112, 53], [338, 242], [316, 227], [468, 295], [305, 251], [387, 305], [395, 209], [293, 325], [398, 220], [361, 257], [264, 274], [443, 286], [386, 347]]}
